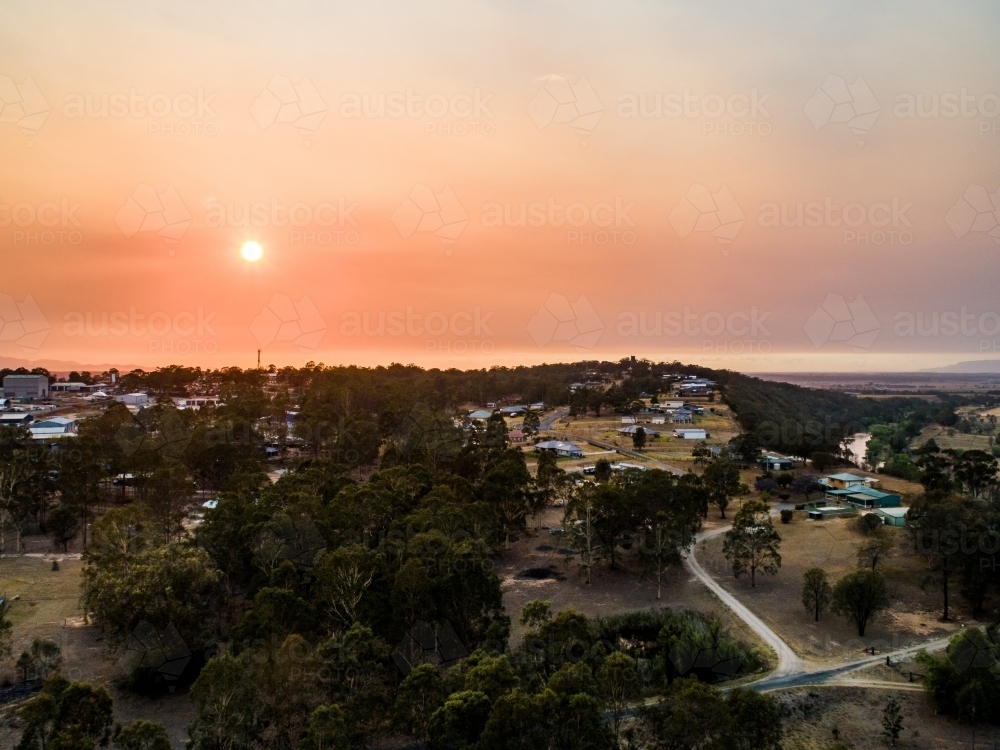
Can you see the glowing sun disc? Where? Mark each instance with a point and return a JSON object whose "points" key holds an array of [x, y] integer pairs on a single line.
{"points": [[251, 251]]}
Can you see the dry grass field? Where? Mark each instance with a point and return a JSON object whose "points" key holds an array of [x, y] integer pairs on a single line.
{"points": [[815, 717], [832, 545], [610, 592], [49, 607]]}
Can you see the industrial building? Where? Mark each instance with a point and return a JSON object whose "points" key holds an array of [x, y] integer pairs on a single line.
{"points": [[26, 387]]}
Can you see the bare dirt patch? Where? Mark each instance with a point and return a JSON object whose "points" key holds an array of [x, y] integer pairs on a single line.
{"points": [[611, 591]]}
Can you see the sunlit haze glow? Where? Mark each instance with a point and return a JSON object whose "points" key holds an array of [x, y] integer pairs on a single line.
{"points": [[756, 186]]}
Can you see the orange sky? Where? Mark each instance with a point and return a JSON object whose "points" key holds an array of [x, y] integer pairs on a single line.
{"points": [[740, 187]]}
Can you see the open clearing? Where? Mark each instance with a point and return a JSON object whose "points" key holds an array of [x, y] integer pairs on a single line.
{"points": [[832, 545], [812, 714], [49, 608]]}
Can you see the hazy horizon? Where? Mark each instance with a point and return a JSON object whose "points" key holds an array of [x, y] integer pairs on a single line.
{"points": [[754, 188]]}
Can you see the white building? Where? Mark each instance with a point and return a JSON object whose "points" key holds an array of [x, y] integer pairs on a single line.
{"points": [[53, 427], [133, 399], [690, 433]]}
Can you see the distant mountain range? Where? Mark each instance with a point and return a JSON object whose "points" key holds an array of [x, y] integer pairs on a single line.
{"points": [[61, 366], [970, 367]]}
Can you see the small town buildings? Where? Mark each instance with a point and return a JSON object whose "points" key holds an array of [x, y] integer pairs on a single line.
{"points": [[480, 414], [682, 416], [15, 418], [634, 428], [658, 420], [515, 436], [772, 462], [26, 387], [132, 399], [628, 420], [892, 516], [560, 448], [690, 433], [53, 427], [861, 496], [846, 480], [195, 402]]}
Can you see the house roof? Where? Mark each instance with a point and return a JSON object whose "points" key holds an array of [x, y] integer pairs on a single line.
{"points": [[558, 445], [847, 477], [867, 492], [481, 414], [893, 512]]}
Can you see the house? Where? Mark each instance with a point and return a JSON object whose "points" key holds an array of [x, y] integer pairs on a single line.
{"points": [[28, 387], [53, 427], [634, 428], [846, 480], [481, 414], [133, 399], [690, 433], [560, 448], [628, 420], [670, 405], [513, 411], [658, 420], [776, 463], [892, 516], [862, 496], [537, 406], [682, 416], [195, 402], [515, 436]]}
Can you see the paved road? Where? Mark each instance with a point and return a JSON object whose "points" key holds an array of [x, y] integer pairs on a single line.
{"points": [[791, 671]]}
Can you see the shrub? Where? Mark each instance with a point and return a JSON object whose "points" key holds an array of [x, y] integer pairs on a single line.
{"points": [[786, 516]]}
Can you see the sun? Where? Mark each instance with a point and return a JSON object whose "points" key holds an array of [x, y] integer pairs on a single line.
{"points": [[251, 251]]}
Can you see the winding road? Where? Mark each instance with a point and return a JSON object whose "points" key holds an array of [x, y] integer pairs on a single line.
{"points": [[791, 670]]}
